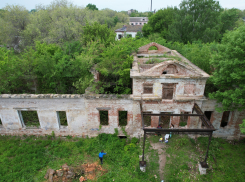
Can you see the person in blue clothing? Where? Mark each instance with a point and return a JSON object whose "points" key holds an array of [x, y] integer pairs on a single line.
{"points": [[101, 154]]}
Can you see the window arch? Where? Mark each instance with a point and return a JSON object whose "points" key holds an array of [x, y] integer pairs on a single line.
{"points": [[152, 48], [171, 69]]}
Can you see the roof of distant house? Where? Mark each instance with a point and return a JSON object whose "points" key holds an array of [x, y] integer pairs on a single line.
{"points": [[130, 28], [138, 19]]}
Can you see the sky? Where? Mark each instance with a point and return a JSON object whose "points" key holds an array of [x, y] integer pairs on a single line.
{"points": [[121, 5]]}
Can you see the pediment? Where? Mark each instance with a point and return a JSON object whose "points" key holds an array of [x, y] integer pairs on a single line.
{"points": [[170, 68]]}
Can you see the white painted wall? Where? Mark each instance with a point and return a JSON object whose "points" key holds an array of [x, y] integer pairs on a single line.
{"points": [[120, 33], [137, 23]]}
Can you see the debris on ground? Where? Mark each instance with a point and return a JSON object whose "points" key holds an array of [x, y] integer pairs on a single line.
{"points": [[82, 172]]}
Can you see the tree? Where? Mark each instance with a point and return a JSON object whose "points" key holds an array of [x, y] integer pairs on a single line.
{"points": [[159, 22], [228, 18], [13, 22], [138, 14], [242, 127], [115, 66], [196, 20], [229, 74], [12, 72], [97, 32], [92, 7]]}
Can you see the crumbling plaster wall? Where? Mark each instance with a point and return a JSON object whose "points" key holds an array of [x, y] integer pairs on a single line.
{"points": [[82, 114], [46, 109], [232, 129], [113, 107], [178, 91]]}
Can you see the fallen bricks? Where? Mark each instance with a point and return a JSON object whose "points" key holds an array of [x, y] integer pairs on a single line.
{"points": [[82, 172]]}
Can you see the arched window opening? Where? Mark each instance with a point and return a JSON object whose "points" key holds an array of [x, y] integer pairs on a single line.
{"points": [[153, 48]]}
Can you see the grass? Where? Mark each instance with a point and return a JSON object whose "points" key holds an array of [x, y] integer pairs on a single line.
{"points": [[226, 160], [27, 158]]}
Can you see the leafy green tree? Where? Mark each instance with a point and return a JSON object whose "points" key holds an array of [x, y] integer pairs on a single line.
{"points": [[116, 20], [139, 14], [228, 18], [2, 13], [87, 59], [115, 66], [196, 20], [97, 32], [14, 73], [57, 68], [160, 21], [92, 7], [229, 74], [242, 127], [13, 22], [139, 35], [33, 11]]}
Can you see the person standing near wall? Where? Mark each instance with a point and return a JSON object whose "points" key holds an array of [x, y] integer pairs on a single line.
{"points": [[101, 154]]}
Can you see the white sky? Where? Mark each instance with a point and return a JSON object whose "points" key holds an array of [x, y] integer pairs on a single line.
{"points": [[121, 5]]}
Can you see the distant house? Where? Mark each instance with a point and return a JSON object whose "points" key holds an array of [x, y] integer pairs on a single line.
{"points": [[131, 11], [128, 30], [138, 20]]}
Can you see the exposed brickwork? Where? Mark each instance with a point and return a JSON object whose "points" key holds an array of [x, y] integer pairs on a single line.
{"points": [[161, 49], [187, 83]]}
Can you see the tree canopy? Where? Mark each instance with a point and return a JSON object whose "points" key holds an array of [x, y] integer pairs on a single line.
{"points": [[229, 74], [196, 20], [92, 6], [160, 21]]}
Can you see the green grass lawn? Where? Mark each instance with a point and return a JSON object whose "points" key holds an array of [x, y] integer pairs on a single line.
{"points": [[226, 160], [28, 158]]}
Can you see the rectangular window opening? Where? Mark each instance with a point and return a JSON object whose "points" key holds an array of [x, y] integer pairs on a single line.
{"points": [[62, 118], [104, 118], [148, 88], [1, 122], [164, 121], [147, 120], [183, 119], [208, 114], [123, 118], [29, 119], [225, 119], [167, 91]]}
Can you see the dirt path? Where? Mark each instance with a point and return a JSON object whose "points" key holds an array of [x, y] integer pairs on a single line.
{"points": [[162, 157]]}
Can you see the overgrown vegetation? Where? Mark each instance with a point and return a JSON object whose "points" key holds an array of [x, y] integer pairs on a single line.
{"points": [[56, 46], [30, 118], [183, 154], [28, 158], [192, 22]]}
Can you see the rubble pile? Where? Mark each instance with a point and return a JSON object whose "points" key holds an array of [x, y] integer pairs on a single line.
{"points": [[67, 173]]}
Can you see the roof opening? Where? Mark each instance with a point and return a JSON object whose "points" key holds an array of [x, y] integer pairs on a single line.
{"points": [[164, 72]]}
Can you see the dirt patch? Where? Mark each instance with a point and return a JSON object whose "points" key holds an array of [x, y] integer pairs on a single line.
{"points": [[162, 157], [92, 170], [87, 171]]}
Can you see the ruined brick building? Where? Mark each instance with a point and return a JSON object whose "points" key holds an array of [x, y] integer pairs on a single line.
{"points": [[163, 81]]}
